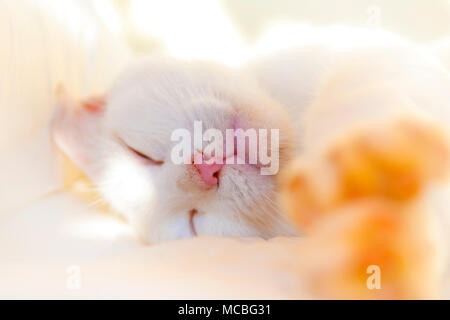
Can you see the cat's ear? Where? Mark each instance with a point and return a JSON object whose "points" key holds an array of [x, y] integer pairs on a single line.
{"points": [[76, 128]]}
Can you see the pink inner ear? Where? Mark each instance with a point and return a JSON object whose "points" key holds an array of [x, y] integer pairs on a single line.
{"points": [[95, 104]]}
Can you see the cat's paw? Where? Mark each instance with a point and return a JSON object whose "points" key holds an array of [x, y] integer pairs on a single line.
{"points": [[395, 161], [369, 234], [374, 249]]}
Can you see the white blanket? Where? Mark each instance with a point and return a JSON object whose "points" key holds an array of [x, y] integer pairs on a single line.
{"points": [[45, 43], [60, 248]]}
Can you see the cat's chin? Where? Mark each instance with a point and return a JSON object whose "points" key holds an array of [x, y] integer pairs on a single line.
{"points": [[194, 223], [192, 214]]}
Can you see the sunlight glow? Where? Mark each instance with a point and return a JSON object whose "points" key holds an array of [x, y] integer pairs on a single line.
{"points": [[100, 228], [127, 181], [108, 15], [283, 36], [69, 13], [195, 29]]}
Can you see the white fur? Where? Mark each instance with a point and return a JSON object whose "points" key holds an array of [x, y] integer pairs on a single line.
{"points": [[143, 108], [339, 61]]}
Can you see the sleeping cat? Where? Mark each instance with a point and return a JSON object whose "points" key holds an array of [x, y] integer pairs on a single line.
{"points": [[122, 141]]}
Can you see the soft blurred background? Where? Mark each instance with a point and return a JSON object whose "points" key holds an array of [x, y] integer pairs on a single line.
{"points": [[222, 29]]}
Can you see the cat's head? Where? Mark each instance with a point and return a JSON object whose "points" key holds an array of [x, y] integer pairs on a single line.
{"points": [[123, 142]]}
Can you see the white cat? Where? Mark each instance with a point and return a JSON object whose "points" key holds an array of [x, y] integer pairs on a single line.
{"points": [[123, 143], [341, 79]]}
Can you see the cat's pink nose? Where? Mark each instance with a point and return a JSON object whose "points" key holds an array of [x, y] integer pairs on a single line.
{"points": [[209, 171]]}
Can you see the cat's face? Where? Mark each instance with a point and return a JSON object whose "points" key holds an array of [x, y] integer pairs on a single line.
{"points": [[124, 145]]}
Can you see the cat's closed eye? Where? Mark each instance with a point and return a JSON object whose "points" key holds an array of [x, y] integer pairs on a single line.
{"points": [[147, 160]]}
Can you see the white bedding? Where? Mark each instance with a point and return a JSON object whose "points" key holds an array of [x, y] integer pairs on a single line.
{"points": [[45, 43], [44, 246]]}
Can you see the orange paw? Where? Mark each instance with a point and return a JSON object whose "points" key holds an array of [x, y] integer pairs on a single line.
{"points": [[359, 203], [395, 161]]}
